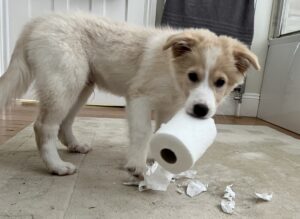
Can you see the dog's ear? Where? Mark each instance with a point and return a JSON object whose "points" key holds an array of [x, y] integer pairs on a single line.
{"points": [[180, 43], [244, 58]]}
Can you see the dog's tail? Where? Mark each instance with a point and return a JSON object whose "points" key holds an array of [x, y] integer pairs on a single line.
{"points": [[16, 80]]}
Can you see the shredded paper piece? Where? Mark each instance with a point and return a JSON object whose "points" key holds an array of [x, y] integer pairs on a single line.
{"points": [[195, 187], [228, 193], [264, 196], [228, 203], [227, 206], [157, 178]]}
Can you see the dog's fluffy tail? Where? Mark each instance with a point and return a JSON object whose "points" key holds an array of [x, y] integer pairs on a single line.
{"points": [[16, 80]]}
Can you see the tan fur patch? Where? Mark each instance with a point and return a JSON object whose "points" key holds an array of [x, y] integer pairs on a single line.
{"points": [[188, 51]]}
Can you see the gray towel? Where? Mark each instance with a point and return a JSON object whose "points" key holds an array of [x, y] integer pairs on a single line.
{"points": [[233, 18]]}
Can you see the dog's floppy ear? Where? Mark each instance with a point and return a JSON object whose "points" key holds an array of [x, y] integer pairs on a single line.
{"points": [[180, 43], [244, 58]]}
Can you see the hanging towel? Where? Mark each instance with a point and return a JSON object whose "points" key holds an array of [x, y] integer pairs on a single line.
{"points": [[233, 18]]}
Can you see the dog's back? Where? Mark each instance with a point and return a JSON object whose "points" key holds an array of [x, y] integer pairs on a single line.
{"points": [[110, 52]]}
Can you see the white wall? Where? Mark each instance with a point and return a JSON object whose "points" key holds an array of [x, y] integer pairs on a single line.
{"points": [[259, 46], [251, 98], [1, 40], [260, 43]]}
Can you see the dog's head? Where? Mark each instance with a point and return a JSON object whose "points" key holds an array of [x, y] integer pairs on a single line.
{"points": [[208, 67]]}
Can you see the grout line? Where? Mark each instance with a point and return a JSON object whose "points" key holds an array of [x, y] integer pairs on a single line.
{"points": [[74, 185], [76, 179]]}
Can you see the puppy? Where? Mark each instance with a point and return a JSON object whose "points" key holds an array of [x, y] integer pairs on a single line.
{"points": [[158, 70]]}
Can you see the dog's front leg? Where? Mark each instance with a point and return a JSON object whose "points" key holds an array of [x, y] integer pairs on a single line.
{"points": [[139, 119]]}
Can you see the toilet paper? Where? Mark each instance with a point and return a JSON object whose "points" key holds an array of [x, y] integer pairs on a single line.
{"points": [[178, 144]]}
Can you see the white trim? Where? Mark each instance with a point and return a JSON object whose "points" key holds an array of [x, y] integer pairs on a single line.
{"points": [[121, 103], [20, 101], [251, 96], [146, 13], [29, 14], [249, 106], [6, 39], [68, 5], [150, 13], [52, 5], [1, 39], [4, 36], [104, 8], [96, 7]]}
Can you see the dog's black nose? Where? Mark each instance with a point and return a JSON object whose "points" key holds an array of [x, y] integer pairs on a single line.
{"points": [[200, 110]]}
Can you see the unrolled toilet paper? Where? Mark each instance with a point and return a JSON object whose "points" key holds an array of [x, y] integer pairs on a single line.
{"points": [[178, 144]]}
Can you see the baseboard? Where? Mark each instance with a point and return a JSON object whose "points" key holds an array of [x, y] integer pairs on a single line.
{"points": [[27, 101], [36, 102], [249, 106]]}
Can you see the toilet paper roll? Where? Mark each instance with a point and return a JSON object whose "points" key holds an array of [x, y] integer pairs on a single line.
{"points": [[178, 144]]}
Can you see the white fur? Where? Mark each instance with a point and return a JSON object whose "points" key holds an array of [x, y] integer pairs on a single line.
{"points": [[139, 116], [203, 93], [68, 55]]}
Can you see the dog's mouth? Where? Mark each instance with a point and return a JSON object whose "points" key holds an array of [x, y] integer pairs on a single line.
{"points": [[197, 117]]}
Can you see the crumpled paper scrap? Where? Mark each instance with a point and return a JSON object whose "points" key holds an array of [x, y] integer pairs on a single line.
{"points": [[264, 196], [227, 206], [195, 187], [228, 203], [156, 178], [229, 194]]}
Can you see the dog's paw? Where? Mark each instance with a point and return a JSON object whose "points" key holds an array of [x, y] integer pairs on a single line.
{"points": [[136, 169], [63, 168], [79, 148]]}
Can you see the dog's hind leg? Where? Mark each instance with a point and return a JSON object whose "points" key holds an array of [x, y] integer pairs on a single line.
{"points": [[55, 104], [46, 129], [66, 135]]}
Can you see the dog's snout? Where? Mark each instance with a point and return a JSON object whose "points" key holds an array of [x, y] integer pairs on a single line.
{"points": [[200, 110]]}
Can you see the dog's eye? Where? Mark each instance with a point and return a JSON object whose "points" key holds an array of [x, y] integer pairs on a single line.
{"points": [[193, 76], [220, 82]]}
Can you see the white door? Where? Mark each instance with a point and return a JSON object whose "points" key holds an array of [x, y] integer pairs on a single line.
{"points": [[280, 90], [15, 13]]}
